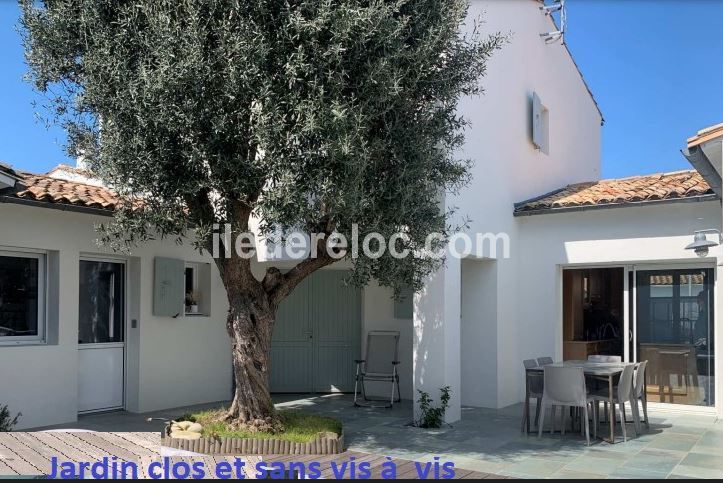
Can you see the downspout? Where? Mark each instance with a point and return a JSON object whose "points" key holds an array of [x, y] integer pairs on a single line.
{"points": [[704, 166]]}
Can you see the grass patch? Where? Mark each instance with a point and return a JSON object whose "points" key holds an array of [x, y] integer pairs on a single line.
{"points": [[299, 426]]}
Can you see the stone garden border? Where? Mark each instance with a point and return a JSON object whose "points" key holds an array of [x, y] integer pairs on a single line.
{"points": [[323, 445]]}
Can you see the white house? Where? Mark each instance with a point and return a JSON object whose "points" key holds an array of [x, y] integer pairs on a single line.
{"points": [[482, 315], [593, 266]]}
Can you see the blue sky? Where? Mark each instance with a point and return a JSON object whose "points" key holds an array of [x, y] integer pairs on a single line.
{"points": [[655, 69], [654, 66]]}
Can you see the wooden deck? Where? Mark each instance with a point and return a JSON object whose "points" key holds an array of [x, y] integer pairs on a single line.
{"points": [[30, 453]]}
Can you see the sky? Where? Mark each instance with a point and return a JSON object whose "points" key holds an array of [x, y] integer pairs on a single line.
{"points": [[654, 68]]}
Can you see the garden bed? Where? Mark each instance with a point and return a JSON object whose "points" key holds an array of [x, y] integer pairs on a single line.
{"points": [[303, 433]]}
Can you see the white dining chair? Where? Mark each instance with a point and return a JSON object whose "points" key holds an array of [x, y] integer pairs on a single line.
{"points": [[603, 359], [565, 387], [640, 396], [596, 383], [533, 390], [544, 361], [622, 394]]}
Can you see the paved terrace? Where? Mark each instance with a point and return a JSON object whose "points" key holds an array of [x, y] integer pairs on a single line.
{"points": [[677, 445], [29, 454]]}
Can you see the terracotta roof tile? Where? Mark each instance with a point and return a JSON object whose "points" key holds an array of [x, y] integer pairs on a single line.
{"points": [[51, 190], [682, 184], [655, 187], [693, 278]]}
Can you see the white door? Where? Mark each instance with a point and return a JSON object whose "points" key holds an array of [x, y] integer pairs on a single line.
{"points": [[101, 336]]}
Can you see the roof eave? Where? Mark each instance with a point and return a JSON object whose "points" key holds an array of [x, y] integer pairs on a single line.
{"points": [[706, 135], [538, 198], [56, 206], [579, 71], [605, 206]]}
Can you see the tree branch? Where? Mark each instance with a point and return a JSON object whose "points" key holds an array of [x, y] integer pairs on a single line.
{"points": [[279, 285], [236, 270], [199, 206]]}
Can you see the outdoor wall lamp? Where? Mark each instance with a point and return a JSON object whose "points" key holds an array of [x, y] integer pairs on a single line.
{"points": [[701, 244]]}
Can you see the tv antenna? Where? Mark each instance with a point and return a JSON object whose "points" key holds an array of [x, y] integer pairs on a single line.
{"points": [[556, 6]]}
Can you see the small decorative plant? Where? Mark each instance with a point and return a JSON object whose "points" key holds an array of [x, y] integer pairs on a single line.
{"points": [[192, 302], [7, 423], [432, 417]]}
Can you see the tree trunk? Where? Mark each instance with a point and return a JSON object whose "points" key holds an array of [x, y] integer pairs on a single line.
{"points": [[250, 326]]}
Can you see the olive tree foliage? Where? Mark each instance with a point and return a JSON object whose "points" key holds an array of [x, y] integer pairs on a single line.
{"points": [[302, 114]]}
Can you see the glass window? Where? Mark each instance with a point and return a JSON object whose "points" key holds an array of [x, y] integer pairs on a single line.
{"points": [[191, 290], [197, 285], [21, 297], [675, 335], [101, 302]]}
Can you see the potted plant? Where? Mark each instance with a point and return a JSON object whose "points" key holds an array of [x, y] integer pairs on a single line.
{"points": [[191, 303]]}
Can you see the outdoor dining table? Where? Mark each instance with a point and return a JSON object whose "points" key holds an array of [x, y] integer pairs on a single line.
{"points": [[601, 370]]}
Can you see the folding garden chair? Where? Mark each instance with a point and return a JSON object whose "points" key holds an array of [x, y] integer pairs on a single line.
{"points": [[379, 365]]}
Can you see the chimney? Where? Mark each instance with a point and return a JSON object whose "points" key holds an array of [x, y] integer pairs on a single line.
{"points": [[80, 162]]}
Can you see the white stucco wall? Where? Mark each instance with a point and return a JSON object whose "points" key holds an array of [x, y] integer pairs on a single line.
{"points": [[640, 236], [378, 314], [437, 345], [478, 332], [171, 362], [508, 169]]}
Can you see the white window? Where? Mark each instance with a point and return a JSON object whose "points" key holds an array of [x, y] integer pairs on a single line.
{"points": [[197, 288], [22, 297]]}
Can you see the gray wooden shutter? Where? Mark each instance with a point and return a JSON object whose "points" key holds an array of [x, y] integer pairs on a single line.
{"points": [[168, 296], [540, 125], [404, 308]]}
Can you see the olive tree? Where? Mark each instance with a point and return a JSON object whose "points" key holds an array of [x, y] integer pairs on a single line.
{"points": [[314, 115]]}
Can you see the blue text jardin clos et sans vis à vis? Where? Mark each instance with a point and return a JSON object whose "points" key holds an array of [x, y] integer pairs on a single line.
{"points": [[166, 468]]}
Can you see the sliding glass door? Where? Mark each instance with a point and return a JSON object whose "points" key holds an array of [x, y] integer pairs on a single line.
{"points": [[674, 333]]}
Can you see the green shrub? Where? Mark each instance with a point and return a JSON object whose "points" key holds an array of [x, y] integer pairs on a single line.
{"points": [[7, 423], [429, 416], [186, 417]]}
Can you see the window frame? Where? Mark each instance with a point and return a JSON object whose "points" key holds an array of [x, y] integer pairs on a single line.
{"points": [[194, 268], [40, 338], [124, 306]]}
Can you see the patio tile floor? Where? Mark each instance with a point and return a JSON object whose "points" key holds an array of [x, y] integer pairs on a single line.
{"points": [[676, 445]]}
